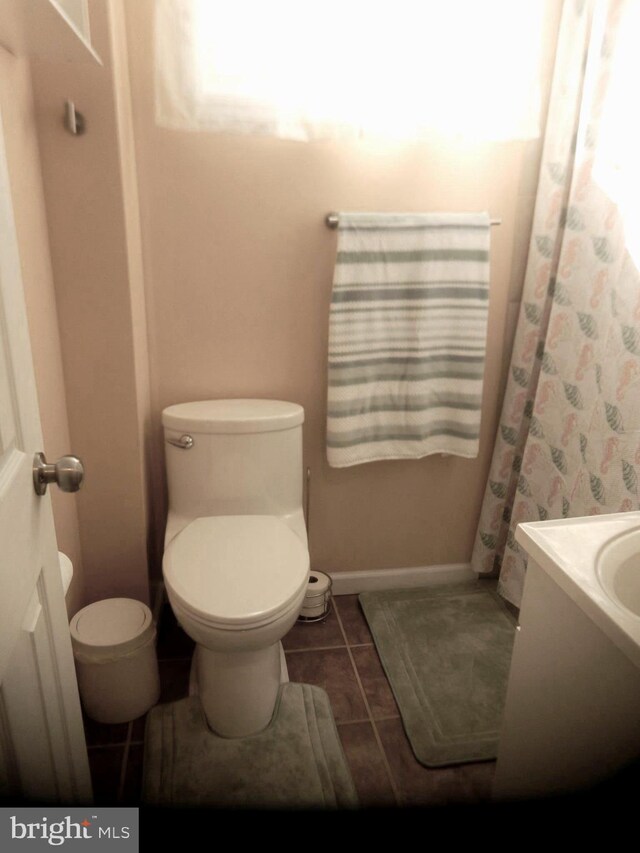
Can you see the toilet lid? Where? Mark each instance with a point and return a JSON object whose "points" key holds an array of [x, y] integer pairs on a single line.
{"points": [[236, 568]]}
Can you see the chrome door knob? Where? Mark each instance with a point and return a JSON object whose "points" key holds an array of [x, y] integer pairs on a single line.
{"points": [[67, 473]]}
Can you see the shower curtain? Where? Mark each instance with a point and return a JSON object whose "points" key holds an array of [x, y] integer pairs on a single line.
{"points": [[568, 442]]}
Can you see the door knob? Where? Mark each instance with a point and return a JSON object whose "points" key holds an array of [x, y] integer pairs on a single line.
{"points": [[67, 472]]}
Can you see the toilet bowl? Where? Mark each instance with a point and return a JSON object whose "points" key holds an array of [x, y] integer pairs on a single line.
{"points": [[236, 562]]}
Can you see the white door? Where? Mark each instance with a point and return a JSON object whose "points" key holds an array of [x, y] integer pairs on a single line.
{"points": [[42, 748]]}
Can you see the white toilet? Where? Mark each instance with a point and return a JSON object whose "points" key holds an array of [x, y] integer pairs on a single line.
{"points": [[236, 562]]}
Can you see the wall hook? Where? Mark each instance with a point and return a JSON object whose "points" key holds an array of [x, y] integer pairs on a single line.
{"points": [[73, 120]]}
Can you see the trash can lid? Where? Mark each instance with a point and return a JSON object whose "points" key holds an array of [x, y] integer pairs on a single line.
{"points": [[111, 627]]}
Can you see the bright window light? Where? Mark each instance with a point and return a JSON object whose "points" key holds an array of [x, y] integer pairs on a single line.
{"points": [[617, 163], [360, 67]]}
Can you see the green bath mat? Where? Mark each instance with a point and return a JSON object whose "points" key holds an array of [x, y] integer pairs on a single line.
{"points": [[296, 762], [446, 651]]}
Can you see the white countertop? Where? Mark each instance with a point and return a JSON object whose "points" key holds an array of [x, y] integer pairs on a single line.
{"points": [[568, 550]]}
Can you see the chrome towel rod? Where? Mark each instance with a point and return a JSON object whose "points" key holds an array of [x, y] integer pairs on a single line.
{"points": [[332, 220]]}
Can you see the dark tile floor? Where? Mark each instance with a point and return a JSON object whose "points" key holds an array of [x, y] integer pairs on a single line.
{"points": [[339, 656]]}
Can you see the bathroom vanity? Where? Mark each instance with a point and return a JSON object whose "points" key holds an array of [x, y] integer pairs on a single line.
{"points": [[572, 714]]}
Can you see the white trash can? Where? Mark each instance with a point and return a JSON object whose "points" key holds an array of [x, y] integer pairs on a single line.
{"points": [[114, 647]]}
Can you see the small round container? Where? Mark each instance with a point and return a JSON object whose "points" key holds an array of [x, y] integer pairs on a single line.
{"points": [[317, 601], [114, 647]]}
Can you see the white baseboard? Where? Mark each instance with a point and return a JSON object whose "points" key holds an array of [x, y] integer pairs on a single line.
{"points": [[347, 583]]}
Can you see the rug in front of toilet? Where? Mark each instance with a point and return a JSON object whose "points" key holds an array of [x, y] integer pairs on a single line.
{"points": [[296, 762]]}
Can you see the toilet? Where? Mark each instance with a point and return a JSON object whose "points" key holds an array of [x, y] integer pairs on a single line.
{"points": [[236, 561]]}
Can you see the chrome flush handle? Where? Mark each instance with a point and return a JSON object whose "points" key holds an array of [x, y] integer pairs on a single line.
{"points": [[185, 442]]}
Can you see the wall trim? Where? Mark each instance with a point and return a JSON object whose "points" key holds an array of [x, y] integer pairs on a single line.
{"points": [[347, 583]]}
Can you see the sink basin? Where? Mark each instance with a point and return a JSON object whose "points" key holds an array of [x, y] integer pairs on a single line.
{"points": [[618, 570]]}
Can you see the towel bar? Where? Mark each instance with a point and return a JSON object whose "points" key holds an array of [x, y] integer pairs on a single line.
{"points": [[332, 220]]}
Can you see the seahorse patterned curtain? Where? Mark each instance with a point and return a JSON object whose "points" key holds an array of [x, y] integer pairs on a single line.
{"points": [[568, 443]]}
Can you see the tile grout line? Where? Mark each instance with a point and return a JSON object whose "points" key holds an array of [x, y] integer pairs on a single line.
{"points": [[367, 720], [353, 722], [376, 733], [314, 649], [125, 761], [329, 648]]}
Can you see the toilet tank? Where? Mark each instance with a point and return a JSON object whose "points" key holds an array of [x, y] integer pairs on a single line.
{"points": [[245, 458]]}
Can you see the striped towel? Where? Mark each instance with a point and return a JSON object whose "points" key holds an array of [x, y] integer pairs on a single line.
{"points": [[407, 336]]}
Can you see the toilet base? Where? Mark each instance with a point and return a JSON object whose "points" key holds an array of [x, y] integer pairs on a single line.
{"points": [[238, 690], [193, 676]]}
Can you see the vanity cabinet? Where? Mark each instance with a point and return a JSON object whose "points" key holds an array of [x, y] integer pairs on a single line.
{"points": [[572, 714]]}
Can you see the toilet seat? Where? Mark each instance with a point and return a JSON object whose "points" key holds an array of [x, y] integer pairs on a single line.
{"points": [[236, 571]]}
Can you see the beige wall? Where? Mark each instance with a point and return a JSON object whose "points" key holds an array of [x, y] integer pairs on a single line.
{"points": [[89, 185], [16, 101], [239, 267]]}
